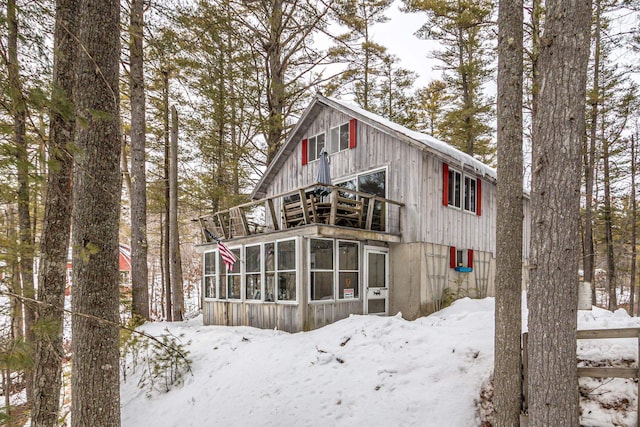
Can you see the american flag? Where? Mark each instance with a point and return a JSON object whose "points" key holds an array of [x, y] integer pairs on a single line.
{"points": [[227, 256]]}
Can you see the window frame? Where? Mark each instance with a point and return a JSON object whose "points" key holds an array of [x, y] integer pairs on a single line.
{"points": [[356, 178], [339, 142], [214, 275], [277, 271], [260, 273], [240, 274], [336, 270], [312, 141], [463, 196]]}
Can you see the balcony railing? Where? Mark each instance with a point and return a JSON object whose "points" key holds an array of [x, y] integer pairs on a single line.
{"points": [[314, 204]]}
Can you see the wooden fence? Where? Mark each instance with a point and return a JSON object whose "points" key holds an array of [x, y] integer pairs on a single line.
{"points": [[599, 372]]}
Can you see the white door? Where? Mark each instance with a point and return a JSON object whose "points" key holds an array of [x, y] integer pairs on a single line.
{"points": [[376, 280]]}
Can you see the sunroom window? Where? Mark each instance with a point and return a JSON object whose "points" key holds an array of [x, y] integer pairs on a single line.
{"points": [[321, 257], [348, 270], [286, 273], [233, 277], [253, 276], [270, 271], [210, 275]]}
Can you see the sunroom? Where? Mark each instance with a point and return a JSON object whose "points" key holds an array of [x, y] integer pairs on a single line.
{"points": [[302, 274]]}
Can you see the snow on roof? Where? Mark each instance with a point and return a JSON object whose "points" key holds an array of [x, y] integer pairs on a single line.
{"points": [[428, 140]]}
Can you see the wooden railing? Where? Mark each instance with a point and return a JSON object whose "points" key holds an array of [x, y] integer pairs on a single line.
{"points": [[597, 372], [314, 204]]}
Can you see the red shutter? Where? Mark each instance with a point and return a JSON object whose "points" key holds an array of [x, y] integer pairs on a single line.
{"points": [[445, 184], [353, 136], [452, 256], [470, 258], [478, 197], [305, 151]]}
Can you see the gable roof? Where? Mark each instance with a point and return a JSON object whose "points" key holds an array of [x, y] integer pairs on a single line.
{"points": [[440, 149]]}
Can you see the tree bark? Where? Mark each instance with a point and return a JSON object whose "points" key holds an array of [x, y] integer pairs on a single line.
{"points": [[139, 267], [588, 264], [608, 223], [166, 267], [507, 369], [558, 130], [634, 226], [275, 83], [175, 267], [19, 113], [57, 222], [96, 211]]}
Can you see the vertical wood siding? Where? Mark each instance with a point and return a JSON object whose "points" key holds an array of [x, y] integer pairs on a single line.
{"points": [[414, 177]]}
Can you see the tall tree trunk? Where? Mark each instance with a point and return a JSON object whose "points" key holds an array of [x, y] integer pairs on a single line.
{"points": [[558, 128], [96, 211], [166, 260], [588, 265], [139, 267], [57, 222], [634, 224], [174, 236], [19, 112], [608, 221], [275, 94], [507, 371]]}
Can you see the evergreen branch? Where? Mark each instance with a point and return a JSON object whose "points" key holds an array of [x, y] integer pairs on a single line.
{"points": [[24, 299]]}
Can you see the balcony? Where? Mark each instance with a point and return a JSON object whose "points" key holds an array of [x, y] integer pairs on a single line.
{"points": [[318, 204]]}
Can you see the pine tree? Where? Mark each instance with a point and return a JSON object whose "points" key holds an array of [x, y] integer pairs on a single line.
{"points": [[463, 28], [364, 58], [431, 101]]}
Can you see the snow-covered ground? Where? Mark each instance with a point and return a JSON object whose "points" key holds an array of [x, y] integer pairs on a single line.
{"points": [[364, 370]]}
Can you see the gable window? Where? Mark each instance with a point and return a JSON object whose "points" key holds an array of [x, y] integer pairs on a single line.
{"points": [[461, 191], [339, 138], [315, 144], [210, 275]]}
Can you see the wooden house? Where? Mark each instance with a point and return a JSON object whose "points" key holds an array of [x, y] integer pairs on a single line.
{"points": [[407, 224]]}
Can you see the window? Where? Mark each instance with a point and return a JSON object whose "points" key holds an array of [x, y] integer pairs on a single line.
{"points": [[461, 191], [230, 280], [315, 146], [321, 257], [339, 138], [348, 269], [469, 194], [286, 273], [210, 275], [455, 184], [253, 278], [372, 183], [461, 259], [334, 274], [270, 272]]}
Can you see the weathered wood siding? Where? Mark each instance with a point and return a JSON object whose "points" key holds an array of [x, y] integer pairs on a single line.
{"points": [[414, 177], [322, 314], [285, 317]]}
